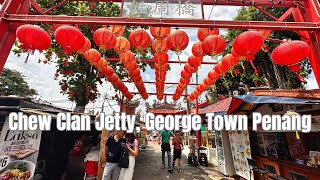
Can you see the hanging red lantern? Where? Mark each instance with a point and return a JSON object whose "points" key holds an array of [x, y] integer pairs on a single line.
{"points": [[214, 75], [265, 33], [290, 52], [108, 71], [185, 74], [69, 38], [220, 68], [197, 50], [189, 68], [159, 46], [194, 61], [86, 47], [104, 39], [139, 39], [33, 38], [184, 80], [205, 32], [161, 58], [160, 32], [230, 60], [122, 45], [247, 44], [236, 55], [177, 41], [113, 78], [92, 55], [213, 45], [117, 30], [207, 81]]}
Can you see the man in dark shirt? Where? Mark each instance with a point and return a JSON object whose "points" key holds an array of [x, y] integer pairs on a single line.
{"points": [[114, 143]]}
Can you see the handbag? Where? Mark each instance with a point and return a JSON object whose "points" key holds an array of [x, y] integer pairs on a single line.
{"points": [[124, 158]]}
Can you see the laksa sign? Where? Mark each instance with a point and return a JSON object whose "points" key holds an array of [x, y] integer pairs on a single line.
{"points": [[163, 9]]}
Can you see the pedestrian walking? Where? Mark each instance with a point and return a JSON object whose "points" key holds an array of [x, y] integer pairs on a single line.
{"points": [[177, 148], [114, 143], [133, 147], [164, 139]]}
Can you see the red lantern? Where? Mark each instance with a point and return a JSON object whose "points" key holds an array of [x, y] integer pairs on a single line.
{"points": [[93, 56], [104, 39], [113, 78], [290, 53], [161, 58], [197, 49], [189, 68], [207, 81], [184, 81], [194, 61], [108, 71], [247, 44], [185, 74], [213, 45], [86, 47], [117, 30], [214, 75], [160, 46], [122, 45], [177, 41], [33, 37], [160, 32], [205, 32], [70, 38], [139, 39], [230, 60], [221, 68]]}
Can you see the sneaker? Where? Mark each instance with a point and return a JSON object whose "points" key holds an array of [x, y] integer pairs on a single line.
{"points": [[163, 167], [170, 170], [179, 170]]}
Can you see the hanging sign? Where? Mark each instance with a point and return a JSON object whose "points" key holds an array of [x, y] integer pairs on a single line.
{"points": [[18, 153], [163, 9]]}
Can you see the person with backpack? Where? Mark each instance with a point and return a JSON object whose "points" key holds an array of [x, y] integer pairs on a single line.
{"points": [[165, 147], [114, 148], [177, 148], [133, 148]]}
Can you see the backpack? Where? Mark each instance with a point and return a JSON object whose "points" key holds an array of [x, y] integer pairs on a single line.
{"points": [[124, 158]]}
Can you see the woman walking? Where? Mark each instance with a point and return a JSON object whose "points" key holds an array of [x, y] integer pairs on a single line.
{"points": [[133, 148]]}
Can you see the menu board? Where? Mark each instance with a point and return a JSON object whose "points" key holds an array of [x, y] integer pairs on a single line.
{"points": [[240, 148], [18, 153]]}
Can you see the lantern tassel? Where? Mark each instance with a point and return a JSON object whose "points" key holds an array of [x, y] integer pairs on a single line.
{"points": [[139, 57], [91, 69], [26, 60], [75, 59], [231, 73], [300, 78], [66, 63], [179, 60], [242, 65]]}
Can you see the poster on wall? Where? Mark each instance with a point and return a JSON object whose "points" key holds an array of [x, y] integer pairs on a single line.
{"points": [[240, 148], [18, 153]]}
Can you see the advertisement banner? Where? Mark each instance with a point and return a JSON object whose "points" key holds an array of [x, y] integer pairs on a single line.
{"points": [[18, 153], [240, 146]]}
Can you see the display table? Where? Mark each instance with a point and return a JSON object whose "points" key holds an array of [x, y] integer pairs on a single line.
{"points": [[283, 168]]}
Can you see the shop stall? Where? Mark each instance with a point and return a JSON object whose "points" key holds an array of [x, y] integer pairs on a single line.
{"points": [[291, 154]]}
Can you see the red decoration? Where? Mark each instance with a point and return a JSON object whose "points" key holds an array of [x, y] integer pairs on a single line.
{"points": [[139, 39], [230, 60], [93, 56], [104, 39], [194, 61], [160, 46], [205, 32], [214, 75], [197, 50], [247, 44], [185, 74], [122, 45], [117, 30], [160, 32], [213, 45], [294, 68], [33, 37], [70, 38], [177, 41], [86, 47], [161, 58], [290, 53]]}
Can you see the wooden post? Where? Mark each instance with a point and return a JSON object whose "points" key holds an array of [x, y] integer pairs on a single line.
{"points": [[103, 155]]}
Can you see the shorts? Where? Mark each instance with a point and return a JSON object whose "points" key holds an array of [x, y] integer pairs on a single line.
{"points": [[165, 147], [176, 154]]}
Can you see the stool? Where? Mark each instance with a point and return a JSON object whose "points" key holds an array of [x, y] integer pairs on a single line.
{"points": [[254, 168]]}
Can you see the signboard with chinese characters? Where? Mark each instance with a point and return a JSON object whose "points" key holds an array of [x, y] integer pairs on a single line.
{"points": [[163, 9], [18, 152]]}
